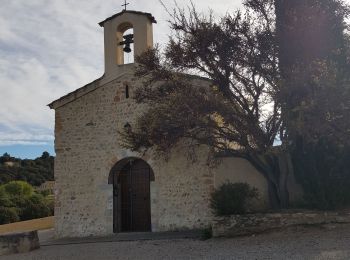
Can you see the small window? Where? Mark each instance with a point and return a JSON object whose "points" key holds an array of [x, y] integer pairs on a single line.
{"points": [[126, 91]]}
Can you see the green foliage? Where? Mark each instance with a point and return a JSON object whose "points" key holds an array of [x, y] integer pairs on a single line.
{"points": [[18, 188], [315, 97], [8, 215], [5, 200], [18, 201], [323, 169], [227, 110], [35, 171], [7, 158], [45, 192], [34, 207], [232, 198], [314, 62], [309, 31], [50, 203]]}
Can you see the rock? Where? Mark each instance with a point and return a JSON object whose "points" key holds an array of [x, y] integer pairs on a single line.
{"points": [[19, 242]]}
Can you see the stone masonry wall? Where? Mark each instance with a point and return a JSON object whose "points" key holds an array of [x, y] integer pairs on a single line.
{"points": [[12, 243], [87, 147], [184, 190], [238, 225]]}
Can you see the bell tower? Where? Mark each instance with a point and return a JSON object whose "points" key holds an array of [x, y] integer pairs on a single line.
{"points": [[116, 43]]}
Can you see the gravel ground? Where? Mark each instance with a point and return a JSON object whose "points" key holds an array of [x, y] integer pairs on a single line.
{"points": [[329, 242]]}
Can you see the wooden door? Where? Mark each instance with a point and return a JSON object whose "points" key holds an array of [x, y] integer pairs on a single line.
{"points": [[140, 192], [134, 212]]}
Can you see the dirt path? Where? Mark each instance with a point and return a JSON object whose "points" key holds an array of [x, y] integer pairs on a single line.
{"points": [[330, 242]]}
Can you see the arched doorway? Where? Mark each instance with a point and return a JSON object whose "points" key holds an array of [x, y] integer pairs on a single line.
{"points": [[131, 195]]}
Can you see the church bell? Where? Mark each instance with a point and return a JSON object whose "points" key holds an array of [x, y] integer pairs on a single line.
{"points": [[128, 39]]}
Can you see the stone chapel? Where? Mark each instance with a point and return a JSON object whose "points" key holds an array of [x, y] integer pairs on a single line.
{"points": [[101, 188]]}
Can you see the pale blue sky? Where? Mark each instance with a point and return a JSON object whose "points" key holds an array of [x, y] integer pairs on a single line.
{"points": [[49, 48]]}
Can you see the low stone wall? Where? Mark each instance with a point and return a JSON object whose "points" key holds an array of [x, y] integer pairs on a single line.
{"points": [[237, 225], [18, 242]]}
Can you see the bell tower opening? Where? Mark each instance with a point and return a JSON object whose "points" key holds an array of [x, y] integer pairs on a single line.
{"points": [[126, 35], [128, 46], [125, 44]]}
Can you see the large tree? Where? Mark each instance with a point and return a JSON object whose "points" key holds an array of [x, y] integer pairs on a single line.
{"points": [[246, 108], [314, 60], [235, 114], [314, 64]]}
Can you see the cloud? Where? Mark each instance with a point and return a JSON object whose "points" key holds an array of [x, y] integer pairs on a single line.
{"points": [[49, 48], [21, 137]]}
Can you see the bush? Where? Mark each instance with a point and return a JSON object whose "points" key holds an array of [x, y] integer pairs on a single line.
{"points": [[232, 198], [18, 188], [34, 207], [5, 200], [44, 192], [18, 201], [8, 215], [50, 203]]}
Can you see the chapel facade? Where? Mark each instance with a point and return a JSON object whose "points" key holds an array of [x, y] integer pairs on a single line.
{"points": [[102, 188]]}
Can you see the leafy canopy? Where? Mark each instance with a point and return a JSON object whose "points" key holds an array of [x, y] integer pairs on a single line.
{"points": [[235, 112]]}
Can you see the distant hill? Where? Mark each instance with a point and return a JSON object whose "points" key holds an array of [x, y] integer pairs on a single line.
{"points": [[34, 171]]}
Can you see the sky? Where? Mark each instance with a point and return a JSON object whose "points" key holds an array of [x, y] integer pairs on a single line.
{"points": [[50, 48]]}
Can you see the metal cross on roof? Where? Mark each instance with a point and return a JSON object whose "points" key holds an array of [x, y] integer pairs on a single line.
{"points": [[125, 4]]}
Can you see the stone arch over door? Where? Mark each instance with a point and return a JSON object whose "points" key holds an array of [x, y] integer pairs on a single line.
{"points": [[131, 179]]}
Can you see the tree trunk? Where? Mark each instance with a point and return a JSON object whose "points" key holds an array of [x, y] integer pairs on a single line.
{"points": [[285, 169], [276, 169], [267, 169]]}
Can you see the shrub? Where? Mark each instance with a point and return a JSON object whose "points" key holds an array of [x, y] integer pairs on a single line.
{"points": [[8, 215], [5, 200], [18, 188], [45, 192], [18, 201], [232, 198], [50, 203], [34, 207]]}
